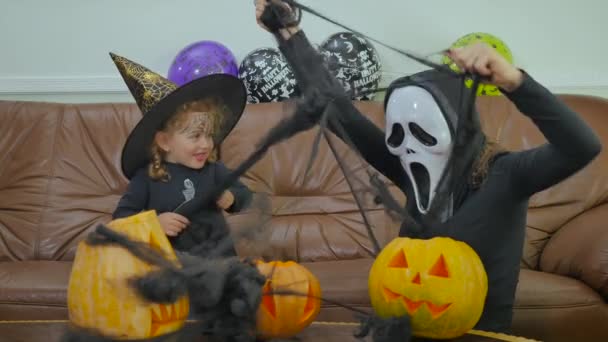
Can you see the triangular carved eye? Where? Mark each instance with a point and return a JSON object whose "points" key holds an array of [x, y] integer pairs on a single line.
{"points": [[440, 269], [398, 261], [268, 299], [310, 307]]}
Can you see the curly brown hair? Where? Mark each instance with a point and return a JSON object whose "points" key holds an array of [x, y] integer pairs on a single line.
{"points": [[482, 163], [213, 113]]}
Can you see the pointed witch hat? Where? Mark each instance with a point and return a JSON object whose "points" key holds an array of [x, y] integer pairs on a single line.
{"points": [[158, 98]]}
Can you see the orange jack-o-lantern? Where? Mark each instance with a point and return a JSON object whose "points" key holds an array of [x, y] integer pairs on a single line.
{"points": [[440, 283], [284, 315], [99, 296]]}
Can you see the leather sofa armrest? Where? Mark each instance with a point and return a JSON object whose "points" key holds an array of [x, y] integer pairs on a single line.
{"points": [[580, 250]]}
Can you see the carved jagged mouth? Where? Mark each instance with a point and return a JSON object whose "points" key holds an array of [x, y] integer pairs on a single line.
{"points": [[412, 306], [166, 318]]}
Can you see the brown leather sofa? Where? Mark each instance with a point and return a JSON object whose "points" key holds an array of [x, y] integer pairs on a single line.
{"points": [[60, 177]]}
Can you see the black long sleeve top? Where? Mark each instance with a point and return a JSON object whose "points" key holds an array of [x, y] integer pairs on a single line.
{"points": [[491, 219], [182, 194]]}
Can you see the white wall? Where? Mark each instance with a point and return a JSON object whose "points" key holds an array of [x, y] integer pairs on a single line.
{"points": [[58, 50]]}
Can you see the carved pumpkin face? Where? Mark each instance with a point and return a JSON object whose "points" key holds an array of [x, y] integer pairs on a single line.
{"points": [[284, 316], [99, 296], [440, 283]]}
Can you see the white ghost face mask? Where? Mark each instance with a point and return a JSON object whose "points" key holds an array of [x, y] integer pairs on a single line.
{"points": [[419, 134]]}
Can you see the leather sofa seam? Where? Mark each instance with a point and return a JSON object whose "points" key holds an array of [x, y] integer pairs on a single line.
{"points": [[51, 176], [325, 213], [569, 306], [527, 307], [34, 304]]}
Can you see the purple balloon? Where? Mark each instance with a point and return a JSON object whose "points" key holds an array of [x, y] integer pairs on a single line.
{"points": [[200, 59]]}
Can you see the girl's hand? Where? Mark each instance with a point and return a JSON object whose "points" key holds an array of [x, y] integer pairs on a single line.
{"points": [[173, 223], [226, 200]]}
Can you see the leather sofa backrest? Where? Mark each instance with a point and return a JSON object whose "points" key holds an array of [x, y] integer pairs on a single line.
{"points": [[314, 216], [60, 176], [551, 209]]}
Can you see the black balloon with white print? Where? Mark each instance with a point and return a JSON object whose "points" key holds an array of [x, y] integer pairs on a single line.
{"points": [[354, 61], [267, 76]]}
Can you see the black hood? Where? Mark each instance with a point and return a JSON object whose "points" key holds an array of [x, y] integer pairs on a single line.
{"points": [[451, 94]]}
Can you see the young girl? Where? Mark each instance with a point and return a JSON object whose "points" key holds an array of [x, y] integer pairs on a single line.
{"points": [[171, 157]]}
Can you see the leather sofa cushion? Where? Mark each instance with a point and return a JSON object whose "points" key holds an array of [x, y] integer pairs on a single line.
{"points": [[546, 290], [580, 250], [550, 307], [26, 141], [60, 174], [33, 289], [343, 281]]}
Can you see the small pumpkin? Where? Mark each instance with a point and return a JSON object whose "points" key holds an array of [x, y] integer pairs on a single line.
{"points": [[99, 296], [440, 283], [284, 316]]}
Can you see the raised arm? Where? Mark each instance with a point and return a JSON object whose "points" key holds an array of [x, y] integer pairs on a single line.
{"points": [[571, 145], [314, 80]]}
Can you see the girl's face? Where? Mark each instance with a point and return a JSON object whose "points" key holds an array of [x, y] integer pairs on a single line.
{"points": [[190, 143]]}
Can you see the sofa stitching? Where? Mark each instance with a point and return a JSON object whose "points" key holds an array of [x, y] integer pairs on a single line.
{"points": [[522, 307], [10, 157], [15, 107], [568, 306], [525, 307], [337, 212], [51, 177], [62, 305]]}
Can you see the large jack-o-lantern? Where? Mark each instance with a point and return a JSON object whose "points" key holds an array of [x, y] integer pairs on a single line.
{"points": [[284, 315], [99, 296], [440, 283]]}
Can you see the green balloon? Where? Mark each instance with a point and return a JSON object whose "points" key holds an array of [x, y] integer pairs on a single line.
{"points": [[493, 41]]}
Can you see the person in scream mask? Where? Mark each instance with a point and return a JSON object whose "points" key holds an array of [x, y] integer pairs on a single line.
{"points": [[459, 184]]}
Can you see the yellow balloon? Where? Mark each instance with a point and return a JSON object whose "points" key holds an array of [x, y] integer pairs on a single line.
{"points": [[493, 41]]}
